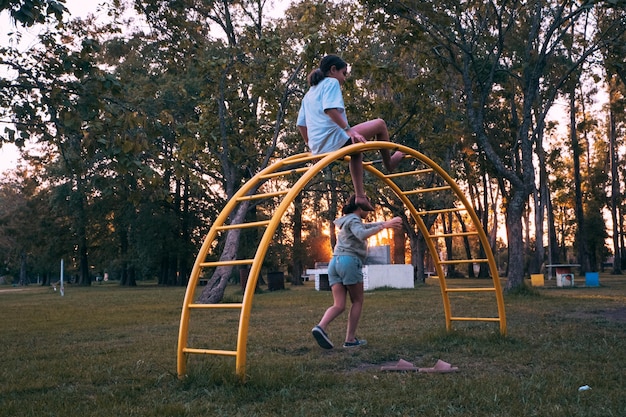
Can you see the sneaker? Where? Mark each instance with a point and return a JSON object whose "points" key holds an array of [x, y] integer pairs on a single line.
{"points": [[356, 343], [321, 337]]}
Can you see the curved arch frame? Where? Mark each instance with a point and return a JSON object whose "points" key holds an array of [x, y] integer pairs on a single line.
{"points": [[322, 161]]}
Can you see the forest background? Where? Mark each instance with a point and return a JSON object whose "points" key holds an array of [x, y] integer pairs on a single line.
{"points": [[136, 127]]}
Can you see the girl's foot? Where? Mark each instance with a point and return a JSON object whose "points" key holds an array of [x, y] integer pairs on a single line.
{"points": [[356, 343], [364, 202], [395, 160]]}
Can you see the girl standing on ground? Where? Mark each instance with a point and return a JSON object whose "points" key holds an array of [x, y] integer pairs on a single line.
{"points": [[345, 274], [323, 124]]}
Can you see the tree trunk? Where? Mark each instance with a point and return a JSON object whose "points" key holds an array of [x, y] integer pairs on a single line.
{"points": [[583, 258], [418, 249], [213, 292], [23, 276], [186, 254], [399, 239], [297, 253], [81, 226], [125, 277], [446, 223], [467, 247], [515, 212], [490, 231], [526, 230], [622, 261], [553, 242], [615, 187], [539, 199]]}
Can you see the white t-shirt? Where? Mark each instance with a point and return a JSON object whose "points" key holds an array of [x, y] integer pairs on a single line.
{"points": [[324, 134]]}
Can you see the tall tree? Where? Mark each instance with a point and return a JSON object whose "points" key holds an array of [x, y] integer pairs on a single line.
{"points": [[240, 109], [52, 92], [617, 105], [508, 47], [614, 63]]}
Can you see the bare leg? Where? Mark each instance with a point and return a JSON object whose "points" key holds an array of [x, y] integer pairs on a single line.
{"points": [[356, 297], [339, 305], [377, 129], [356, 172]]}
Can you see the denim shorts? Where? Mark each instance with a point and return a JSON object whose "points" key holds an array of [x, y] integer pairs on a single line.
{"points": [[345, 269]]}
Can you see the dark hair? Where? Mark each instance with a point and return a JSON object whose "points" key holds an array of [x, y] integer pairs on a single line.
{"points": [[318, 74], [350, 206]]}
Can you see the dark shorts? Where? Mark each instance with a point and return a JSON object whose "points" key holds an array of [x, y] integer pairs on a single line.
{"points": [[345, 269]]}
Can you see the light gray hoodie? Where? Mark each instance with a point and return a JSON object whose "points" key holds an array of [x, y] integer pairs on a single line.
{"points": [[353, 234]]}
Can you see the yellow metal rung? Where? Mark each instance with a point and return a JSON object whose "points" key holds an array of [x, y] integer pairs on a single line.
{"points": [[227, 263], [448, 210], [211, 351], [284, 172], [407, 173], [463, 261], [469, 289], [209, 306], [454, 234], [243, 225], [259, 196], [475, 318], [427, 190], [305, 158]]}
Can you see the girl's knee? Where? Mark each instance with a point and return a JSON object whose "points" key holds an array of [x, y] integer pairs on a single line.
{"points": [[381, 129], [339, 308]]}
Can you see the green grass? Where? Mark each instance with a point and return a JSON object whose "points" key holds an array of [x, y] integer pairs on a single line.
{"points": [[111, 351]]}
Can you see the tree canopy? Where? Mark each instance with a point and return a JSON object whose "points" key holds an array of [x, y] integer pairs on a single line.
{"points": [[137, 129]]}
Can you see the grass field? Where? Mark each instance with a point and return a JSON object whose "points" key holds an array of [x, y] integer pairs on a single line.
{"points": [[111, 351]]}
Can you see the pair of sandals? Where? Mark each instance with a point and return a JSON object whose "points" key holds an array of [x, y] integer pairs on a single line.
{"points": [[440, 367]]}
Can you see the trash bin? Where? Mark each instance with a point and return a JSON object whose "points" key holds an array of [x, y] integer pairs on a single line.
{"points": [[275, 281], [592, 279], [536, 280]]}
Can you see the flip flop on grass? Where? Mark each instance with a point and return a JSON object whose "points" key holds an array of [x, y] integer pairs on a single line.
{"points": [[440, 367]]}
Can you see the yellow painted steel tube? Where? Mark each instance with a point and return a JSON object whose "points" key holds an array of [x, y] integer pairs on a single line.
{"points": [[322, 161]]}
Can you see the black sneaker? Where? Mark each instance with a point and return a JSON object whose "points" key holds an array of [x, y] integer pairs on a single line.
{"points": [[322, 338], [356, 343]]}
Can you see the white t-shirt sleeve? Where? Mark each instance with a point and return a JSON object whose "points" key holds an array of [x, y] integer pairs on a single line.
{"points": [[331, 96], [301, 116]]}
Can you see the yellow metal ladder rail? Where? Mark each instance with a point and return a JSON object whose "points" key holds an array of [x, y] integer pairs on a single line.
{"points": [[403, 194], [292, 166], [218, 226]]}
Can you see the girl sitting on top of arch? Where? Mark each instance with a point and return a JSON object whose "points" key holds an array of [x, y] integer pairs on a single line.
{"points": [[323, 124]]}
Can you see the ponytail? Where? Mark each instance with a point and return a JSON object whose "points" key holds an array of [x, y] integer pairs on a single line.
{"points": [[315, 77], [329, 61]]}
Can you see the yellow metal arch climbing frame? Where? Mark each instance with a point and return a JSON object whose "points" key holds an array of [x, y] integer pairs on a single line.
{"points": [[307, 166]]}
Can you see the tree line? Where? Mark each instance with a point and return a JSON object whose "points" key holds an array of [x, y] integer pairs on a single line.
{"points": [[135, 131]]}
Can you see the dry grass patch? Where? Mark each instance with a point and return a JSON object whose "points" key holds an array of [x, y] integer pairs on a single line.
{"points": [[111, 351]]}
